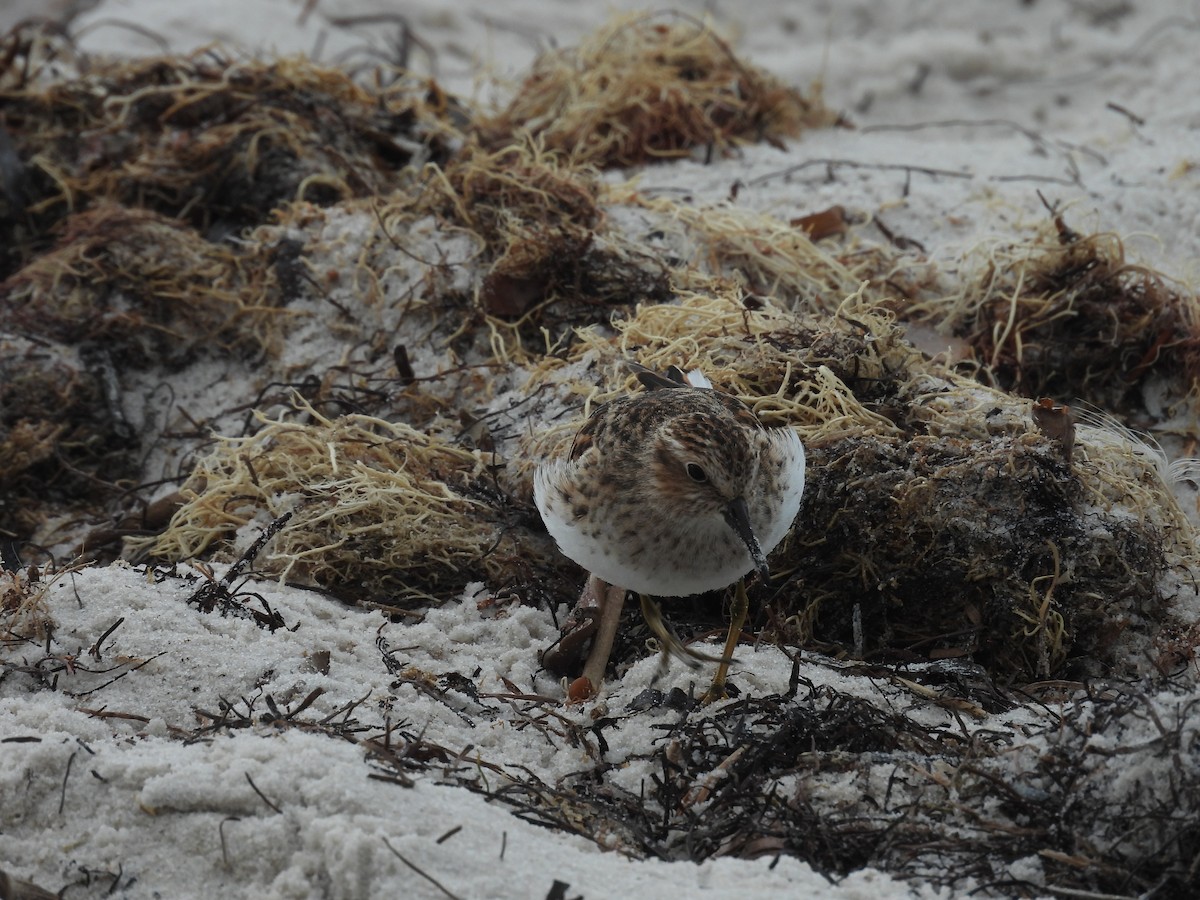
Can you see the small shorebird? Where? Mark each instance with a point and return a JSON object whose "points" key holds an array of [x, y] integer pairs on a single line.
{"points": [[671, 492]]}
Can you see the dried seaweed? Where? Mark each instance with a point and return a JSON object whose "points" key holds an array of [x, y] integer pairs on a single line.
{"points": [[379, 511], [123, 290], [218, 143], [231, 716], [1067, 316], [842, 783], [60, 444], [144, 288], [939, 521], [642, 89], [770, 258], [221, 594], [548, 261]]}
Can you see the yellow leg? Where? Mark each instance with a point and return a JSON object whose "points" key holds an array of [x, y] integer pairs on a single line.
{"points": [[670, 644], [737, 618]]}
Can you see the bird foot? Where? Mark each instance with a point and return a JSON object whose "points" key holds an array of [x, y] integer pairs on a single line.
{"points": [[593, 620], [566, 654]]}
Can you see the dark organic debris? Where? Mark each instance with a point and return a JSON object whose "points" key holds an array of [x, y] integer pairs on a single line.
{"points": [[214, 594], [243, 713], [141, 287], [217, 142], [939, 520], [59, 441], [1069, 316], [549, 261], [842, 783]]}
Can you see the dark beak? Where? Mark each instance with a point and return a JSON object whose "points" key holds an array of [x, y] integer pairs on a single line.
{"points": [[738, 518]]}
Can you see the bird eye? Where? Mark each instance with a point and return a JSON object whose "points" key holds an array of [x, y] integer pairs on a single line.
{"points": [[696, 473]]}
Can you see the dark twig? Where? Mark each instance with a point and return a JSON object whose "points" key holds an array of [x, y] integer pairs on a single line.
{"points": [[441, 887], [1127, 113], [831, 163], [95, 649], [221, 832], [62, 796], [213, 594], [261, 795], [115, 678]]}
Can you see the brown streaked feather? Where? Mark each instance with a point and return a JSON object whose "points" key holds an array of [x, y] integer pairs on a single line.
{"points": [[739, 410], [591, 429], [586, 436], [643, 412]]}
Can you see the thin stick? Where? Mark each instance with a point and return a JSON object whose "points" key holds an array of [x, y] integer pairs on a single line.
{"points": [[261, 795], [437, 884], [62, 796]]}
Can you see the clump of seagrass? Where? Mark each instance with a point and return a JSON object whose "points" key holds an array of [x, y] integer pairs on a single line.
{"points": [[549, 261], [144, 287], [770, 257], [1067, 316], [938, 520], [60, 443], [218, 143], [379, 511], [642, 89]]}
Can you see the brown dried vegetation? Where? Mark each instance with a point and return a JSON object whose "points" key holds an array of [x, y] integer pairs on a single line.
{"points": [[939, 521], [380, 512], [218, 144], [146, 289], [1067, 316], [549, 260], [640, 90]]}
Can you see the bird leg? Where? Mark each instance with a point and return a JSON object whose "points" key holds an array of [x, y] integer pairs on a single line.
{"points": [[599, 613], [611, 599], [737, 618], [565, 654], [670, 644]]}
